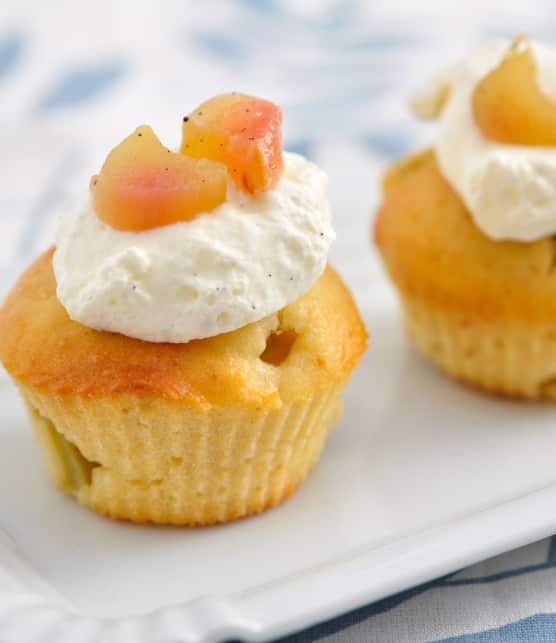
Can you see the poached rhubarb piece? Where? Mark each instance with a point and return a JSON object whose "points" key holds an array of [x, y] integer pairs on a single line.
{"points": [[508, 104], [241, 131], [143, 184]]}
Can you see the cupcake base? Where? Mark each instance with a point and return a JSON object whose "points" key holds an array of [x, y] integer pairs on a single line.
{"points": [[506, 357], [484, 311], [222, 466], [187, 434]]}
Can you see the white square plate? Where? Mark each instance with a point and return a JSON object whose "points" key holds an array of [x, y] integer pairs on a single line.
{"points": [[421, 477]]}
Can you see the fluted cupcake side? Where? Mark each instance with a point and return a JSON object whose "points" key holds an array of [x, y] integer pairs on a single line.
{"points": [[507, 357], [195, 468]]}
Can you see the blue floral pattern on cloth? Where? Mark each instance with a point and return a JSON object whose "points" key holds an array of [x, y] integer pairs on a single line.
{"points": [[80, 85], [342, 70]]}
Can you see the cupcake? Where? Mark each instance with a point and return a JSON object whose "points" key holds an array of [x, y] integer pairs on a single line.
{"points": [[184, 348], [466, 229]]}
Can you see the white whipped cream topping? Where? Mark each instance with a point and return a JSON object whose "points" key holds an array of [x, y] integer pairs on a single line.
{"points": [[510, 190], [241, 262]]}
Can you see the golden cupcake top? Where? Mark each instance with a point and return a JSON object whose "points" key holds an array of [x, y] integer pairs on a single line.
{"points": [[41, 346], [433, 249]]}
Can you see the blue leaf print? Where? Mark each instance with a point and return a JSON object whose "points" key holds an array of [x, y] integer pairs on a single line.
{"points": [[81, 85], [389, 145], [262, 6], [224, 47], [11, 49], [384, 42], [303, 147]]}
